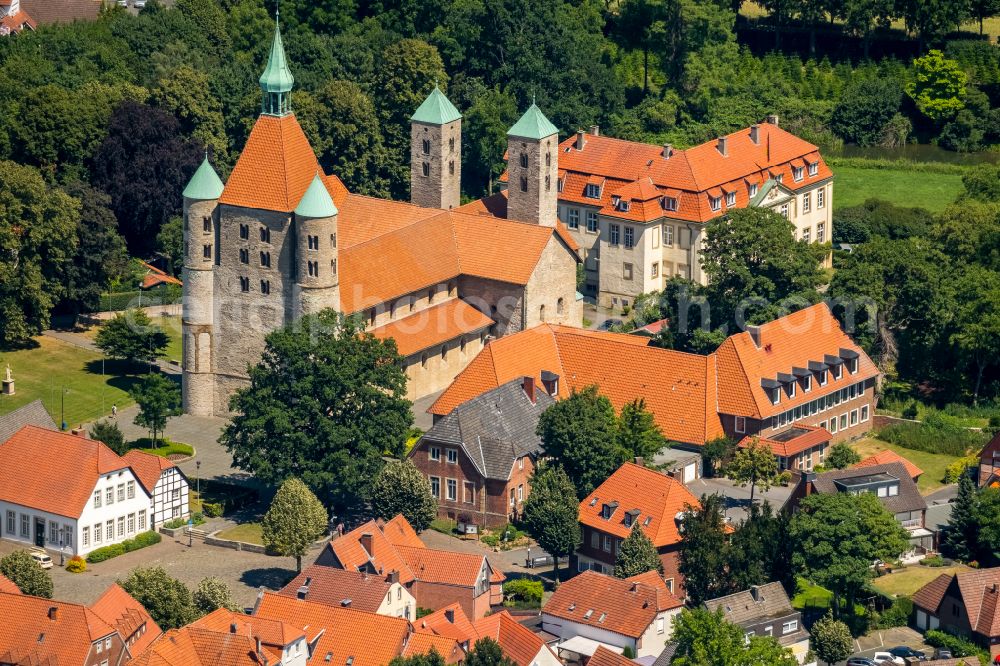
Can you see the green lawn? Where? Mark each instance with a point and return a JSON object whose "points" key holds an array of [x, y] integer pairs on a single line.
{"points": [[904, 582], [810, 596], [165, 449], [933, 464], [246, 532], [41, 372], [933, 191]]}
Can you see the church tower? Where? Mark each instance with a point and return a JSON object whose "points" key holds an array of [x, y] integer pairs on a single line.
{"points": [[276, 82], [201, 240], [533, 169], [436, 153], [316, 250]]}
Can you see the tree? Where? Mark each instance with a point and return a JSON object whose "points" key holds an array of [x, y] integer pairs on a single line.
{"points": [[551, 513], [864, 109], [976, 334], [400, 488], [987, 518], [754, 464], [38, 227], [185, 92], [214, 593], [159, 399], [432, 658], [930, 19], [487, 652], [484, 139], [637, 555], [863, 16], [984, 9], [336, 399], [837, 538], [638, 434], [960, 539], [982, 183], [168, 600], [27, 574], [760, 550], [100, 250], [718, 452], [937, 86], [132, 336], [112, 436], [170, 243], [842, 456], [705, 638], [295, 520], [831, 640], [704, 550], [579, 432]]}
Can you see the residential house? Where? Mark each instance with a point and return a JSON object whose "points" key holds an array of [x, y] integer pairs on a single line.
{"points": [[765, 610], [13, 18], [47, 12], [798, 448], [479, 458], [282, 641], [891, 483], [360, 590], [633, 495], [33, 414], [165, 483], [966, 603], [989, 463], [887, 456], [604, 657], [518, 643], [435, 578], [594, 609], [799, 370], [45, 631], [88, 496], [639, 211]]}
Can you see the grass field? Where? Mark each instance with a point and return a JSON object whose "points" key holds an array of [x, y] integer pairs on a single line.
{"points": [[245, 532], [810, 596], [904, 582], [933, 464], [932, 191], [41, 372]]}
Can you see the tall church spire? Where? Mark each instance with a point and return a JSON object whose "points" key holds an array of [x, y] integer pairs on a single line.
{"points": [[277, 80]]}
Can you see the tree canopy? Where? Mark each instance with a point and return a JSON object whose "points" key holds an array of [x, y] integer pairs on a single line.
{"points": [[705, 638], [294, 521], [637, 555], [401, 488], [168, 600], [551, 512], [27, 574]]}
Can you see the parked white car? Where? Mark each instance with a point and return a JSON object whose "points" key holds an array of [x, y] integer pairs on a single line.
{"points": [[886, 658], [40, 556]]}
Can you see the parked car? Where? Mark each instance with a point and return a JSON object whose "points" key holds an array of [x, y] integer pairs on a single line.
{"points": [[138, 4], [888, 657], [608, 323], [40, 556], [907, 652], [860, 661], [942, 653]]}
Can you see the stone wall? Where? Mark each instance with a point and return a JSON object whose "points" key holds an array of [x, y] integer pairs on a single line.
{"points": [[550, 295], [433, 369], [538, 203], [502, 301], [441, 187]]}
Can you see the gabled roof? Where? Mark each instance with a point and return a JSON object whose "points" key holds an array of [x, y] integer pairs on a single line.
{"points": [[450, 621], [908, 499], [119, 609], [196, 646], [72, 467], [978, 590], [766, 602], [333, 587], [657, 497], [31, 414], [665, 600], [533, 125], [399, 532], [433, 326], [888, 456], [604, 657], [147, 467], [15, 23], [446, 566], [205, 184], [930, 595], [494, 429], [45, 631], [436, 109], [384, 559], [604, 602], [7, 586], [517, 641], [271, 632], [793, 441], [45, 12], [423, 643]]}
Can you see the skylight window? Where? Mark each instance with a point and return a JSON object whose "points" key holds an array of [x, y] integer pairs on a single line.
{"points": [[586, 616]]}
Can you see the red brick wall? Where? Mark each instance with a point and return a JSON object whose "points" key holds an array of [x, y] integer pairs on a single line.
{"points": [[988, 464], [823, 418], [437, 595]]}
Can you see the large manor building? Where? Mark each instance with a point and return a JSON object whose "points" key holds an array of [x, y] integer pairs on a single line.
{"points": [[281, 239]]}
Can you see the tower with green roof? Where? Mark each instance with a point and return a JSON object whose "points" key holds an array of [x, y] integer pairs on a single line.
{"points": [[317, 280], [436, 152], [533, 169], [276, 82]]}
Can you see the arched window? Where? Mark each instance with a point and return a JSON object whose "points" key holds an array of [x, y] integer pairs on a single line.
{"points": [[427, 146], [541, 312], [430, 296], [451, 144], [371, 317], [451, 167], [560, 305], [548, 159], [524, 184], [425, 168], [524, 160], [548, 182]]}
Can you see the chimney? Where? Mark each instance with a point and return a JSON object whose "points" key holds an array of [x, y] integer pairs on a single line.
{"points": [[393, 577], [449, 615], [755, 134], [345, 603], [668, 150], [722, 146], [754, 332], [595, 130], [53, 613], [366, 542], [640, 461], [528, 384], [772, 119], [302, 592], [580, 141], [550, 381]]}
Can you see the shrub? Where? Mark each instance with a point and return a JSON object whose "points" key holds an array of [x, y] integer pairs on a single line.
{"points": [[127, 546], [897, 615], [212, 509], [959, 646], [959, 468], [785, 477], [937, 434], [105, 553], [76, 564], [933, 561], [524, 592], [196, 518], [491, 539], [910, 411]]}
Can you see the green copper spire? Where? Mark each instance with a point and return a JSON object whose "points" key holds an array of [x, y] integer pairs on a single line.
{"points": [[277, 80], [533, 125], [316, 202], [205, 184], [436, 110]]}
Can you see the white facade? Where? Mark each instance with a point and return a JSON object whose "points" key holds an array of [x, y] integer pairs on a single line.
{"points": [[398, 602], [170, 497], [651, 643]]}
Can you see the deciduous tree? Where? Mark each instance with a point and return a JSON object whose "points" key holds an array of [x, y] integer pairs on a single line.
{"points": [[487, 652], [754, 464], [938, 84], [159, 399], [214, 593], [704, 550], [112, 436], [637, 555], [100, 250], [168, 600], [638, 434], [705, 638], [132, 336], [551, 513], [27, 574], [831, 640], [295, 520], [400, 488], [842, 456]]}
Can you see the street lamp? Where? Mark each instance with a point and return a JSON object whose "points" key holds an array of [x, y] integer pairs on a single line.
{"points": [[62, 408], [197, 466]]}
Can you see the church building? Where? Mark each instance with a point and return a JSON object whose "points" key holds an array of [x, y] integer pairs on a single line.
{"points": [[281, 239]]}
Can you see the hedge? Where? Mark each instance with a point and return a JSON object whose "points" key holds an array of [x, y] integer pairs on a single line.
{"points": [[898, 165], [524, 592], [127, 546], [959, 646]]}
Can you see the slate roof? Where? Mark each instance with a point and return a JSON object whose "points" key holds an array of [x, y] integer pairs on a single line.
{"points": [[743, 608], [908, 499], [495, 428], [31, 414], [332, 586]]}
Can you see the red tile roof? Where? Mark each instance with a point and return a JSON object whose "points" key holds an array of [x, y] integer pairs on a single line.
{"points": [[62, 11], [604, 657], [446, 566], [810, 436], [154, 276], [658, 497], [888, 456], [384, 556], [399, 532], [45, 631], [517, 641], [430, 327], [72, 467], [458, 628], [423, 643], [147, 467], [331, 586], [664, 599], [195, 646], [16, 23], [119, 609], [604, 602], [7, 586]]}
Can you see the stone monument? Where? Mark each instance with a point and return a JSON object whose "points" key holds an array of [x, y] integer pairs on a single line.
{"points": [[8, 382]]}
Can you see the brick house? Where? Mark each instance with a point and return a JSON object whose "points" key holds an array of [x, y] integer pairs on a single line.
{"points": [[633, 494], [966, 603], [478, 459], [765, 610], [989, 463], [434, 577], [798, 448]]}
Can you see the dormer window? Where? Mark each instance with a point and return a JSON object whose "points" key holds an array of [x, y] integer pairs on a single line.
{"points": [[592, 191], [608, 510], [823, 374], [807, 383], [838, 371], [813, 168], [753, 190], [731, 198], [797, 173], [852, 365], [775, 395], [791, 389], [715, 202], [631, 516], [780, 177], [669, 203], [624, 206]]}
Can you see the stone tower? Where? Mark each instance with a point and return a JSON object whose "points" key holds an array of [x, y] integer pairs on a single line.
{"points": [[201, 240], [533, 169], [436, 153], [316, 250]]}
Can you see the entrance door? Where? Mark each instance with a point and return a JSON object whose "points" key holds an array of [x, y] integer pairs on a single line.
{"points": [[40, 532]]}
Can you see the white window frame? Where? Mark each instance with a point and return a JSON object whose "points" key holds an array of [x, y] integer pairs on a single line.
{"points": [[807, 202], [668, 235], [434, 453], [753, 190], [573, 218], [741, 424], [452, 456], [435, 480], [821, 197], [593, 222], [451, 490], [798, 173], [715, 203], [864, 413], [789, 627], [730, 199], [813, 168]]}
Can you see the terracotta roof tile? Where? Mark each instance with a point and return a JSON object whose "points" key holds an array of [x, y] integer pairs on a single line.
{"points": [[7, 586], [658, 497], [270, 631], [975, 586], [433, 326], [888, 456], [46, 12], [458, 628], [399, 532], [421, 643], [195, 646], [664, 599], [517, 641], [16, 23], [793, 441], [35, 630], [605, 657], [444, 566], [384, 558], [331, 586], [118, 608], [604, 602], [147, 467]]}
